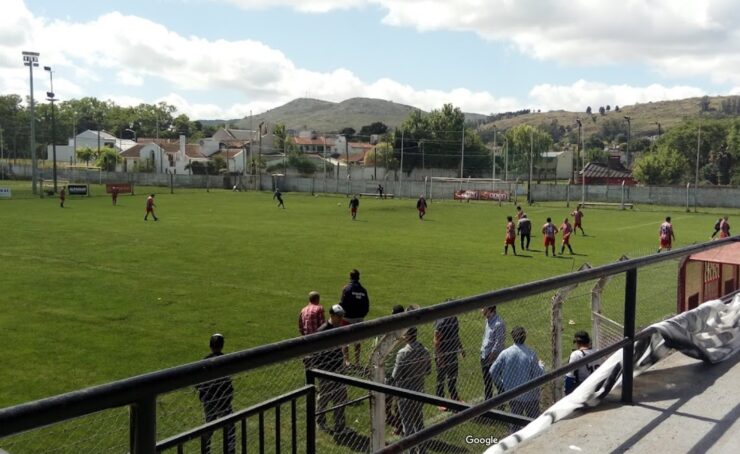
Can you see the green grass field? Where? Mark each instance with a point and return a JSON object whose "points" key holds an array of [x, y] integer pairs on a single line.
{"points": [[92, 293]]}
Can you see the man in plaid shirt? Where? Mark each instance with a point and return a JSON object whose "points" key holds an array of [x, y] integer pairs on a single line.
{"points": [[312, 316]]}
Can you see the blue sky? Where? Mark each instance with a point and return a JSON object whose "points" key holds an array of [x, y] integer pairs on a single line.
{"points": [[225, 58]]}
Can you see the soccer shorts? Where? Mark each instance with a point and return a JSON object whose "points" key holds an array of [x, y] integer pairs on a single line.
{"points": [[549, 241]]}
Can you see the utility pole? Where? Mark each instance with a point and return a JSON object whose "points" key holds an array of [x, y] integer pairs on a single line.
{"points": [[629, 137], [400, 177], [50, 98], [31, 59], [696, 176], [578, 150], [346, 154], [462, 152], [493, 158], [2, 155], [531, 165]]}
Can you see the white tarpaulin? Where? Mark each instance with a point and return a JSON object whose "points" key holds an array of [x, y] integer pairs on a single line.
{"points": [[711, 332]]}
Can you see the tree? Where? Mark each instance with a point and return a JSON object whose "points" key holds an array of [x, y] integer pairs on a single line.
{"points": [[616, 109], [608, 107], [602, 111], [704, 103], [377, 128], [523, 139], [280, 135], [664, 166], [385, 156], [86, 154], [108, 159], [349, 133], [588, 110]]}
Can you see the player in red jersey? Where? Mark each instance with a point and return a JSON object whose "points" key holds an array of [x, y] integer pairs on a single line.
{"points": [[666, 235], [724, 228], [567, 229], [519, 213], [150, 207], [421, 205], [549, 230], [510, 236], [114, 194], [577, 216], [354, 203], [62, 196]]}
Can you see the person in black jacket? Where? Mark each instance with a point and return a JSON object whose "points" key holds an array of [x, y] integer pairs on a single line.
{"points": [[216, 396], [524, 228], [356, 304]]}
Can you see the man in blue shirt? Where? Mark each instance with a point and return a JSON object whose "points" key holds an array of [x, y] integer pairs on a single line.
{"points": [[494, 336], [514, 367]]}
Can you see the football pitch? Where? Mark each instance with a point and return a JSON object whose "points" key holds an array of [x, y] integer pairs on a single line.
{"points": [[93, 293]]}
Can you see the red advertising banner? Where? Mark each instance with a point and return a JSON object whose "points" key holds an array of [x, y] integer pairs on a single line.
{"points": [[496, 196], [123, 188], [466, 195]]}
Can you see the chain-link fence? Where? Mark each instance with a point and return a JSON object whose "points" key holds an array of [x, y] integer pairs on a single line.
{"points": [[453, 357]]}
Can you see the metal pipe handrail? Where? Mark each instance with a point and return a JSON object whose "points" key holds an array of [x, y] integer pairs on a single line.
{"points": [[475, 411], [412, 395], [127, 391], [212, 426]]}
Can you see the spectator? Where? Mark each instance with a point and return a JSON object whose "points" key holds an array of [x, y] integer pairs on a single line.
{"points": [[494, 336], [332, 360], [583, 349], [716, 228], [413, 364], [385, 351], [724, 228], [447, 346], [514, 367], [216, 396], [356, 305], [312, 315]]}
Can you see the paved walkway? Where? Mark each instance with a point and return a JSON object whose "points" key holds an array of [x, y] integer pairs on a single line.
{"points": [[681, 406]]}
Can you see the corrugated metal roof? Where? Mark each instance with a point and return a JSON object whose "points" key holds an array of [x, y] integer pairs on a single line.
{"points": [[596, 170]]}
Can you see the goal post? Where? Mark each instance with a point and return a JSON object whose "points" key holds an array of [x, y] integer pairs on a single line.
{"points": [[470, 189]]}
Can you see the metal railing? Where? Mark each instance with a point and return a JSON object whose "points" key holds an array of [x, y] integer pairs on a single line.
{"points": [[140, 392]]}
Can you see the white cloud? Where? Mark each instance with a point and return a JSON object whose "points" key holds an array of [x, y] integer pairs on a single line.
{"points": [[581, 94], [127, 78], [676, 38]]}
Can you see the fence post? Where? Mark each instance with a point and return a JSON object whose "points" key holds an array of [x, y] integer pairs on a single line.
{"points": [[143, 422], [377, 409], [556, 332], [172, 184], [630, 303], [311, 414], [623, 194]]}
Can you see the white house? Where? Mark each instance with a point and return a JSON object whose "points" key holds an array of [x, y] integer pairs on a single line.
{"points": [[558, 164], [87, 139], [162, 157]]}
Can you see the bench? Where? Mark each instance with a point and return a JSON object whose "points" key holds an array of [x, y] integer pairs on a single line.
{"points": [[375, 194], [608, 204]]}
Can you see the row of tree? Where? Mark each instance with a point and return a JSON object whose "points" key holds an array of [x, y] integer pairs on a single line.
{"points": [[77, 115]]}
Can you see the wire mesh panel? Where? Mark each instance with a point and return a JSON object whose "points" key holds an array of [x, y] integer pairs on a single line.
{"points": [[105, 431]]}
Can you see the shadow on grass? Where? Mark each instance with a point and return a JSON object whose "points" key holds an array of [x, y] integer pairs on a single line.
{"points": [[352, 441]]}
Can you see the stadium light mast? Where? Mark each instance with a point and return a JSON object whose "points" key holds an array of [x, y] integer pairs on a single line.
{"points": [[578, 149], [31, 59], [462, 152], [506, 158], [50, 98]]}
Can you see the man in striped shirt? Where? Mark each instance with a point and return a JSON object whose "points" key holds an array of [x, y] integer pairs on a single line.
{"points": [[312, 315], [549, 230]]}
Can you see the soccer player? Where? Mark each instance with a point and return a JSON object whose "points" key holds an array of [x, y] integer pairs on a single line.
{"points": [[549, 230], [724, 228], [524, 228], [279, 196], [510, 236], [716, 227], [62, 196], [354, 203], [519, 213], [567, 229], [666, 235], [577, 216], [380, 191], [114, 194], [421, 205], [150, 207]]}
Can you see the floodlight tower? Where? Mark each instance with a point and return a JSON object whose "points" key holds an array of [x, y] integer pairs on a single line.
{"points": [[31, 59]]}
